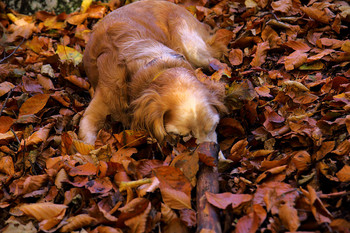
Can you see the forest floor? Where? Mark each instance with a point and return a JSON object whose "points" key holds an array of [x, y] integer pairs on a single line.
{"points": [[286, 137]]}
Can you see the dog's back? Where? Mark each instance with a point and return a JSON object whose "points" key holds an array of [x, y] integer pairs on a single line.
{"points": [[145, 29]]}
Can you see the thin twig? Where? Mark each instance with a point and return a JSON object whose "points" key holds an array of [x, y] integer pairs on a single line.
{"points": [[337, 194], [7, 98], [14, 133], [13, 52]]}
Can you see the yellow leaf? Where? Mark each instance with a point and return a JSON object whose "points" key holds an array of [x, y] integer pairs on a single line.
{"points": [[85, 5], [82, 147], [66, 53]]}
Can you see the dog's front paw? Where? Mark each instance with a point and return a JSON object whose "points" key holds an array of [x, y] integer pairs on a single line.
{"points": [[88, 138]]}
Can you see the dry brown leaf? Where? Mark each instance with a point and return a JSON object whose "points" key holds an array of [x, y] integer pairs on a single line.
{"points": [[130, 138], [5, 87], [251, 222], [38, 136], [260, 153], [344, 174], [82, 147], [174, 186], [238, 150], [48, 224], [107, 229], [222, 200], [289, 216], [34, 104], [188, 164], [135, 214], [7, 166], [260, 55], [87, 169], [78, 81], [33, 183], [283, 6], [340, 225], [302, 160], [326, 147], [188, 217], [321, 214], [77, 222], [42, 211], [295, 59], [168, 214], [148, 188], [45, 82], [60, 178], [176, 226], [297, 45], [263, 91], [316, 14], [77, 19], [236, 57], [272, 171], [343, 148]]}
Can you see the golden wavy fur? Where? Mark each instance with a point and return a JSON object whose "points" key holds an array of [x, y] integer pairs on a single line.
{"points": [[140, 60]]}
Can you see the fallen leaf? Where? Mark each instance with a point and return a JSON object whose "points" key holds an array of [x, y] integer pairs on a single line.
{"points": [[222, 200], [289, 216], [344, 174], [7, 166], [5, 123], [42, 211], [260, 55], [295, 59], [69, 54], [5, 87], [77, 222], [236, 57], [316, 14], [174, 187], [34, 104]]}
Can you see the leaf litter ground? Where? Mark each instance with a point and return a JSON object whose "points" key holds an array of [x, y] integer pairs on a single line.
{"points": [[286, 137]]}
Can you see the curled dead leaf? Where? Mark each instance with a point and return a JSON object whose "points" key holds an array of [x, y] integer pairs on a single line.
{"points": [[222, 200], [60, 178], [302, 160], [77, 222]]}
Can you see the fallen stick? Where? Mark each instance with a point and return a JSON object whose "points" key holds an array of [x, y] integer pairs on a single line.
{"points": [[207, 215]]}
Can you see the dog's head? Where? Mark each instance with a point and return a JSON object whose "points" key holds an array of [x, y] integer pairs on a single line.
{"points": [[179, 110]]}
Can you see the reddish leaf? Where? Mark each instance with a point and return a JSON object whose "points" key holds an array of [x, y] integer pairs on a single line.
{"points": [[222, 200], [236, 57], [34, 104], [316, 14], [175, 187], [5, 123], [295, 59], [260, 55]]}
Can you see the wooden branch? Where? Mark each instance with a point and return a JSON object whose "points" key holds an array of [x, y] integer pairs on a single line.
{"points": [[207, 215]]}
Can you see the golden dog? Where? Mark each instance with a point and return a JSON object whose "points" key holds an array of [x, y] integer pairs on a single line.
{"points": [[140, 60]]}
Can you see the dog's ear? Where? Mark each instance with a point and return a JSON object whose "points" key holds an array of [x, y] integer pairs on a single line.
{"points": [[148, 114]]}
